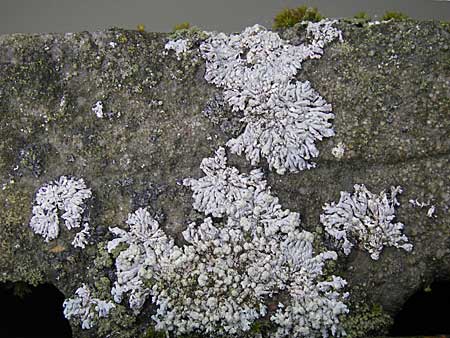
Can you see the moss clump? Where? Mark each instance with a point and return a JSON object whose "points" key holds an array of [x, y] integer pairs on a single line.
{"points": [[183, 25], [288, 17], [103, 287], [191, 32], [152, 333], [103, 259], [362, 16], [445, 25], [366, 321], [16, 264], [396, 16], [140, 27], [119, 323], [263, 327]]}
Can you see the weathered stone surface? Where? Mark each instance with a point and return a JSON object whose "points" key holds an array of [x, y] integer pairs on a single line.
{"points": [[389, 85]]}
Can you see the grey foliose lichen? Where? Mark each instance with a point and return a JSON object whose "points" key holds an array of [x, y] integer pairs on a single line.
{"points": [[305, 317], [283, 117], [66, 196], [229, 271], [148, 246], [81, 238], [85, 308], [223, 186], [365, 219]]}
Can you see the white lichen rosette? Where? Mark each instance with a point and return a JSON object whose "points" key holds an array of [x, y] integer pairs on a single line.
{"points": [[85, 308], [366, 220], [63, 198], [148, 250], [283, 117]]}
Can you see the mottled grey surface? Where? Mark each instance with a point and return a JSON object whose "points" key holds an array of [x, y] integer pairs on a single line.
{"points": [[390, 89]]}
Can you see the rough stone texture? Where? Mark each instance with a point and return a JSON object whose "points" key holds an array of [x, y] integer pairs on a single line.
{"points": [[389, 85]]}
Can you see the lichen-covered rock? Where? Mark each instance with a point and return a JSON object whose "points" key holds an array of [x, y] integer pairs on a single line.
{"points": [[120, 110], [230, 272]]}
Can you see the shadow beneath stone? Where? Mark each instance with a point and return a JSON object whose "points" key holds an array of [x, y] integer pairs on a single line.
{"points": [[425, 313], [32, 312]]}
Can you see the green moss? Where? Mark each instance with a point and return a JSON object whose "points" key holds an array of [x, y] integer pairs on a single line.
{"points": [[103, 287], [364, 320], [118, 249], [26, 270], [288, 17], [152, 333], [445, 25], [192, 32], [32, 159], [396, 16], [362, 16], [261, 327], [10, 141], [118, 324], [183, 25], [140, 28], [103, 259], [36, 80], [15, 199], [191, 335], [15, 243]]}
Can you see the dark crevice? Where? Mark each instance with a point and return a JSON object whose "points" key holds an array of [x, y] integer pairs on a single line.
{"points": [[425, 313], [32, 312]]}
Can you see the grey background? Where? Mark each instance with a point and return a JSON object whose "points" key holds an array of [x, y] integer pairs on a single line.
{"points": [[161, 15]]}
